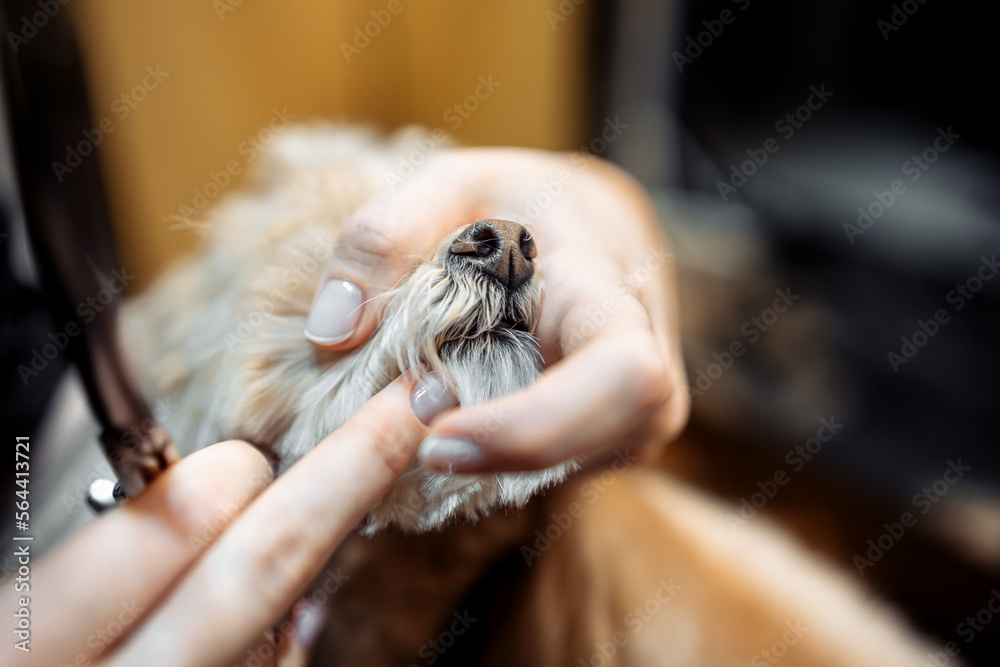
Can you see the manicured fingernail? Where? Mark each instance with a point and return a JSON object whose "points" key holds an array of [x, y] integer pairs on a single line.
{"points": [[335, 313], [441, 450], [430, 397], [309, 620]]}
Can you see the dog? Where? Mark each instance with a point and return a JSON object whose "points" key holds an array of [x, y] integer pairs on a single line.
{"points": [[619, 566], [466, 313]]}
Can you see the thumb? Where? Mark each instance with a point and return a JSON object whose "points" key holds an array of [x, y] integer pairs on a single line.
{"points": [[374, 250]]}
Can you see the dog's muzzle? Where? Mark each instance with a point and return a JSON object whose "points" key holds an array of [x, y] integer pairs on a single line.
{"points": [[500, 249]]}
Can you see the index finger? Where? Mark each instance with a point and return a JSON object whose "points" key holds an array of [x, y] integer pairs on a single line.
{"points": [[278, 546], [617, 381], [122, 563]]}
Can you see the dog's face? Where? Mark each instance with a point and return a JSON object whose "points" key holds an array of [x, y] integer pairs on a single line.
{"points": [[476, 301], [221, 338], [468, 313]]}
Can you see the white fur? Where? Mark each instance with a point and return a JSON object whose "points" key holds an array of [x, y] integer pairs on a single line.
{"points": [[221, 336]]}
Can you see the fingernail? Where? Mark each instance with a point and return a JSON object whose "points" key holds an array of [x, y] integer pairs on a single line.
{"points": [[442, 450], [430, 397], [335, 313], [309, 620]]}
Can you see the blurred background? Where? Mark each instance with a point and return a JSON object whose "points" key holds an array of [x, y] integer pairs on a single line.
{"points": [[827, 171]]}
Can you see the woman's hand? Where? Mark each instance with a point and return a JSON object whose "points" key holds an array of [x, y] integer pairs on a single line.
{"points": [[197, 568], [609, 309]]}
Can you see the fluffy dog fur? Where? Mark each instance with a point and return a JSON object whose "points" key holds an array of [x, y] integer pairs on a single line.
{"points": [[221, 339], [234, 360]]}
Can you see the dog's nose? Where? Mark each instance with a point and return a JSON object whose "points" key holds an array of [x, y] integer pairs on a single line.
{"points": [[499, 248]]}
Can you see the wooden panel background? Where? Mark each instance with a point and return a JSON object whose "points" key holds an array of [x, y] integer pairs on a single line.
{"points": [[230, 64]]}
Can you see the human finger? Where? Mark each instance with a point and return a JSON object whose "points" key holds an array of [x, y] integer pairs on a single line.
{"points": [[101, 582], [280, 543]]}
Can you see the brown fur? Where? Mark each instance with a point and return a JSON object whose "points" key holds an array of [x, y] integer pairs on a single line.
{"points": [[735, 591], [616, 538]]}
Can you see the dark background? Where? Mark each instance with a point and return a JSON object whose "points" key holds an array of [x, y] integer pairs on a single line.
{"points": [[937, 70]]}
